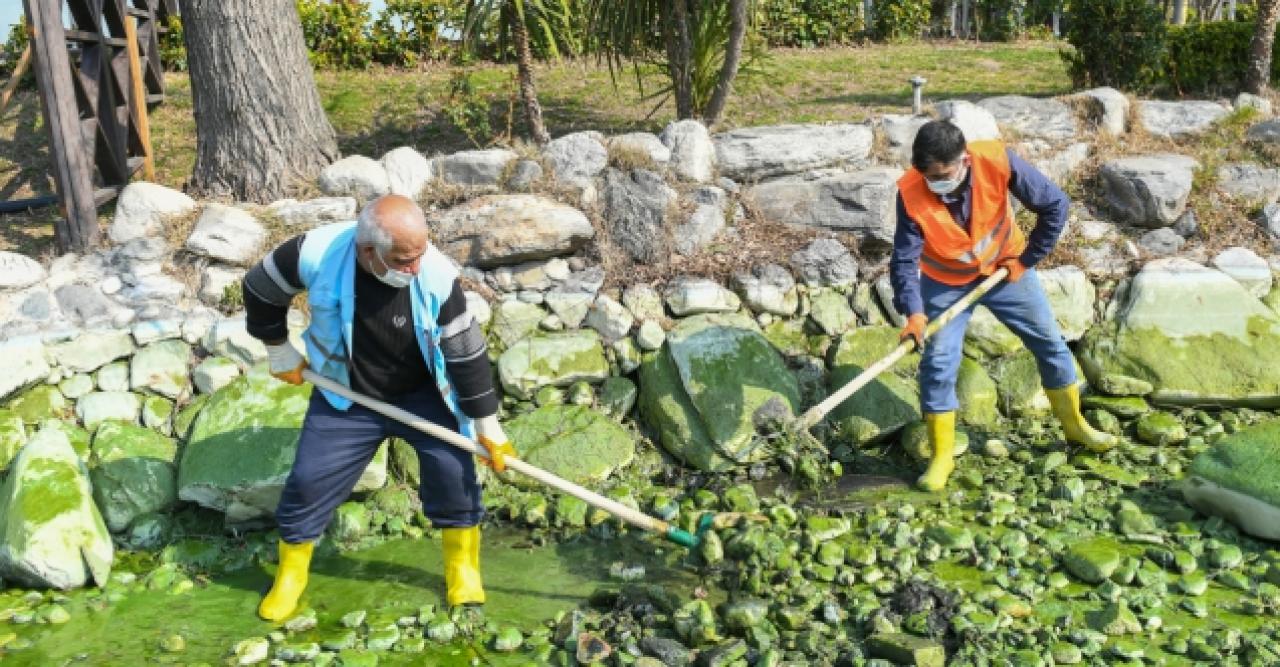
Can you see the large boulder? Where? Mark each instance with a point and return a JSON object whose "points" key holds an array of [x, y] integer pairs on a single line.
{"points": [[861, 202], [314, 212], [758, 153], [1186, 334], [1107, 108], [408, 172], [885, 405], [1033, 117], [1239, 480], [142, 209], [555, 359], [576, 156], [227, 234], [1247, 268], [18, 271], [22, 364], [1149, 190], [134, 471], [1179, 120], [355, 176], [480, 167], [1249, 182], [975, 122], [1072, 296], [637, 210], [92, 350], [241, 447], [701, 390], [13, 435], [508, 229], [693, 156], [51, 535], [162, 368], [575, 443]]}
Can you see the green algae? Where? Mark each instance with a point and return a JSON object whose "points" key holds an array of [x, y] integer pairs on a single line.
{"points": [[553, 359], [1247, 461], [39, 403], [886, 404], [573, 442]]}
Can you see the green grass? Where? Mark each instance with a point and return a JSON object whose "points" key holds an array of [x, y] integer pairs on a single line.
{"points": [[376, 110]]}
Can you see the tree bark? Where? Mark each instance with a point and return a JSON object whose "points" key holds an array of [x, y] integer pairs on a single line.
{"points": [[260, 128], [732, 57], [524, 72], [1258, 78], [679, 57]]}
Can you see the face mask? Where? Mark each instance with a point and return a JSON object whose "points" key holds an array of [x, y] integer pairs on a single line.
{"points": [[392, 277], [949, 186]]}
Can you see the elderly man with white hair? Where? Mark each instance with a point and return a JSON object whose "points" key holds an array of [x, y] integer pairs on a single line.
{"points": [[388, 320]]}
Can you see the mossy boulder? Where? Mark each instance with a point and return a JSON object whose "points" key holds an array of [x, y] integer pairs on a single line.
{"points": [[1239, 480], [162, 368], [40, 403], [1017, 379], [977, 394], [574, 442], [1160, 428], [51, 535], [1186, 334], [101, 406], [702, 389], [886, 404], [242, 445], [133, 470], [915, 441], [78, 437], [13, 435], [554, 359]]}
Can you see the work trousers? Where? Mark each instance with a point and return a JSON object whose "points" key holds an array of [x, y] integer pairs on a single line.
{"points": [[1021, 306], [336, 446]]}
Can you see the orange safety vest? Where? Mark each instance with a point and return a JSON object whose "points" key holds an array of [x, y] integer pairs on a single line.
{"points": [[951, 256]]}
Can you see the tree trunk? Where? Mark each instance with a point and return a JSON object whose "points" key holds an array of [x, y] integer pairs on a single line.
{"points": [[1179, 12], [679, 59], [732, 56], [1258, 78], [1231, 10], [260, 128], [524, 70]]}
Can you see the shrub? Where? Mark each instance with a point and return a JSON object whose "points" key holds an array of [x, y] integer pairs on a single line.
{"points": [[896, 20], [407, 32], [1210, 57], [12, 49], [335, 32], [173, 48], [1118, 43], [1002, 20], [809, 23]]}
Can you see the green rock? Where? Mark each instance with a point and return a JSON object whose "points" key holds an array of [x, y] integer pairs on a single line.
{"points": [[741, 498], [1017, 380], [701, 390], [830, 310], [52, 533], [949, 537], [187, 416], [357, 658], [548, 396], [1092, 562], [1133, 523], [618, 395], [76, 386], [885, 405], [627, 354], [1239, 480], [915, 441], [374, 475], [1114, 619], [906, 649], [512, 321], [242, 445], [789, 337], [987, 338], [1050, 462], [571, 511], [552, 359], [1120, 406], [162, 368], [581, 393], [350, 522], [823, 528], [441, 629], [508, 639], [403, 463], [574, 442], [1160, 429], [38, 404], [1067, 654], [1226, 556], [1104, 421], [133, 471], [156, 411], [382, 639], [977, 394], [78, 437], [215, 373], [1025, 658], [1194, 583], [13, 435], [353, 619]]}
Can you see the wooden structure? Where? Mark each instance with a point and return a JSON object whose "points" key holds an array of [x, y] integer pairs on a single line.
{"points": [[95, 111]]}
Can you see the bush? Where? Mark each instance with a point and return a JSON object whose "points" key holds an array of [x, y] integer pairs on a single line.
{"points": [[1119, 43], [809, 23], [13, 46], [173, 47], [1002, 20], [335, 32], [407, 32], [1210, 57], [897, 20]]}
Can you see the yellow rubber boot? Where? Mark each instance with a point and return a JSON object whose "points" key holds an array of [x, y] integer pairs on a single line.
{"points": [[941, 428], [1066, 407], [462, 566], [291, 580]]}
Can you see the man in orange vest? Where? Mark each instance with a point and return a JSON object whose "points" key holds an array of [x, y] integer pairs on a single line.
{"points": [[955, 227]]}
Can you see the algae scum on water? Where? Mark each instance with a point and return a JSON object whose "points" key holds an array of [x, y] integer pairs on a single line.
{"points": [[1036, 555]]}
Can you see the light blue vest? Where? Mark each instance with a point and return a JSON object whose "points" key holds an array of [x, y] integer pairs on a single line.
{"points": [[327, 267]]}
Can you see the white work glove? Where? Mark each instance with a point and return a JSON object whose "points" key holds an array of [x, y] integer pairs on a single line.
{"points": [[286, 362], [489, 433]]}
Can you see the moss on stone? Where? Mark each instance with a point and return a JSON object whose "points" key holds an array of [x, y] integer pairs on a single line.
{"points": [[887, 403], [555, 359], [133, 470], [573, 442], [1247, 462], [39, 403], [665, 406], [13, 435], [977, 394], [78, 437], [187, 415]]}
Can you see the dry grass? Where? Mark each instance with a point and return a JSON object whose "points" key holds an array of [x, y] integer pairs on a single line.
{"points": [[626, 157]]}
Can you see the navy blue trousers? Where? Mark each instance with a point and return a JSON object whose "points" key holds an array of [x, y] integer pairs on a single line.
{"points": [[336, 446]]}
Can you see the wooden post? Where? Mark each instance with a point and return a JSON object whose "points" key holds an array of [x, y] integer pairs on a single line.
{"points": [[78, 228], [139, 98], [18, 71]]}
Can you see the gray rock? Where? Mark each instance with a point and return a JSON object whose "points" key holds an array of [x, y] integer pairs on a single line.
{"points": [[704, 223], [1149, 190], [37, 305], [480, 167], [214, 281], [643, 301], [214, 373], [830, 310], [1177, 120], [83, 303], [1072, 297], [645, 143], [1108, 108], [227, 234], [884, 292], [576, 156], [637, 209], [100, 406], [162, 368], [91, 350], [1247, 268], [134, 473], [113, 377], [142, 209], [900, 132], [229, 338], [1059, 165], [650, 336], [19, 271], [313, 212], [1187, 226], [975, 122], [693, 155], [1250, 101], [150, 331], [1033, 117], [825, 263], [1270, 223], [570, 305], [513, 320], [22, 364], [552, 360], [524, 175], [758, 153], [691, 296], [861, 203], [768, 288], [355, 176], [1250, 182], [496, 230], [1266, 132], [408, 172], [610, 318], [1161, 242]]}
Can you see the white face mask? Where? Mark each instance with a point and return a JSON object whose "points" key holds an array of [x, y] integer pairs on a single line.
{"points": [[948, 186], [392, 277]]}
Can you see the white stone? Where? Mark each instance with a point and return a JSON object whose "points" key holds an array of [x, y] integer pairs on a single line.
{"points": [[650, 336], [214, 281], [1072, 298], [975, 122], [690, 296], [495, 230], [215, 373], [480, 167], [22, 364], [313, 212], [227, 234], [91, 350], [229, 338], [99, 406], [111, 285], [407, 171], [900, 132], [756, 153], [704, 222], [150, 331], [570, 305], [18, 271], [693, 155], [355, 176], [1177, 120], [1250, 101], [1181, 298], [576, 156], [1247, 268], [643, 301], [556, 269], [142, 208], [609, 318], [1033, 117], [1108, 108], [478, 307]]}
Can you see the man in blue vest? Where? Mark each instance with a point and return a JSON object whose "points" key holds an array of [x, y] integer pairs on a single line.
{"points": [[389, 320]]}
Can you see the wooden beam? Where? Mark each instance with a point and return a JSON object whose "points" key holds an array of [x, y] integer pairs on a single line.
{"points": [[23, 62], [77, 230]]}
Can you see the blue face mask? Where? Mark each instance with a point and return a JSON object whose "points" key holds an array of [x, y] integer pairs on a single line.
{"points": [[392, 277], [948, 186]]}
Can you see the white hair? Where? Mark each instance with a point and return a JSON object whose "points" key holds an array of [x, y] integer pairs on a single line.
{"points": [[369, 231]]}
